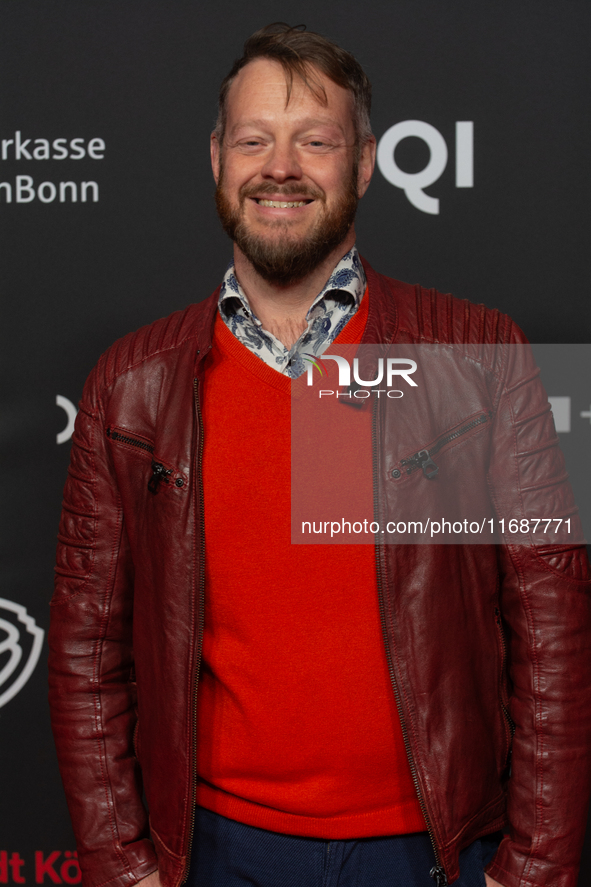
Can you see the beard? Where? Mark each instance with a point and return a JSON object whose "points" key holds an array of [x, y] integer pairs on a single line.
{"points": [[286, 258]]}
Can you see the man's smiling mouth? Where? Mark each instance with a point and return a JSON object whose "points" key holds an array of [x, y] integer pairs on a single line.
{"points": [[281, 203]]}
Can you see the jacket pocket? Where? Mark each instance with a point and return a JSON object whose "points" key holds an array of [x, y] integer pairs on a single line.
{"points": [[160, 472], [423, 459], [125, 438], [566, 560]]}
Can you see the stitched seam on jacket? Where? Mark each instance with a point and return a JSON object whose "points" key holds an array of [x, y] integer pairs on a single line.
{"points": [[486, 829], [65, 597], [411, 728], [503, 390], [164, 845], [114, 376], [548, 568], [525, 882], [97, 698], [428, 340], [92, 414], [539, 743], [111, 354], [517, 454], [192, 678]]}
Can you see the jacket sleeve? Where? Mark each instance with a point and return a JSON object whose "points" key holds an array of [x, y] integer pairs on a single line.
{"points": [[91, 687], [545, 603]]}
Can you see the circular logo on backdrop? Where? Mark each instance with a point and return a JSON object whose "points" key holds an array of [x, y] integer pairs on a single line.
{"points": [[414, 183], [21, 641], [71, 413]]}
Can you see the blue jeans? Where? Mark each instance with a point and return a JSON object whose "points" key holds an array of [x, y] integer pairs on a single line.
{"points": [[229, 854]]}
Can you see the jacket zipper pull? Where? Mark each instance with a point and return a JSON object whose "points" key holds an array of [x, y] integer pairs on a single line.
{"points": [[430, 469], [159, 473], [439, 876]]}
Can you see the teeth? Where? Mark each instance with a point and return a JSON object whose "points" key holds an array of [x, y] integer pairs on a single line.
{"points": [[281, 203]]}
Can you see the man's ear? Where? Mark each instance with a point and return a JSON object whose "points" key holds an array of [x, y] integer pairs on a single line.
{"points": [[367, 162], [215, 150]]}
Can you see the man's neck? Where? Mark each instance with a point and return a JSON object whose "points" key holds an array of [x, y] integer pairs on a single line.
{"points": [[282, 310]]}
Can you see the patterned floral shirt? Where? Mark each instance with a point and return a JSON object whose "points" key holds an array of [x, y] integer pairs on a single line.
{"points": [[334, 305]]}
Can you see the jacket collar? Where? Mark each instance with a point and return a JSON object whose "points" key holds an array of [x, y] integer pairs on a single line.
{"points": [[205, 322], [382, 318]]}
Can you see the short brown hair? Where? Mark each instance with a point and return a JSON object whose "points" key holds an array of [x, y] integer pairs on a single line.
{"points": [[297, 51]]}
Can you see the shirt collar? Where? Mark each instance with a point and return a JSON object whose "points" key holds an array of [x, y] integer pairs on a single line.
{"points": [[347, 283]]}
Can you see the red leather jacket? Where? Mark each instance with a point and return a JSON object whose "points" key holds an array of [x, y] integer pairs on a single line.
{"points": [[127, 615]]}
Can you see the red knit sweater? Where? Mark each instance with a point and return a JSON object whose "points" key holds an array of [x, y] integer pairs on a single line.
{"points": [[298, 728]]}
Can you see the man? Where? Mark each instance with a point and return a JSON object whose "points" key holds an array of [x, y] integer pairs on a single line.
{"points": [[302, 715]]}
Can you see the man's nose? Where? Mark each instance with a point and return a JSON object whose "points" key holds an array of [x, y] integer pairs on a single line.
{"points": [[282, 163]]}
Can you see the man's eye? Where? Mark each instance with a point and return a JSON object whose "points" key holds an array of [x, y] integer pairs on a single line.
{"points": [[250, 145], [319, 145]]}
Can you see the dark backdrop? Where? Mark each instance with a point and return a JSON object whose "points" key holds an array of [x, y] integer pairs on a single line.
{"points": [[142, 76]]}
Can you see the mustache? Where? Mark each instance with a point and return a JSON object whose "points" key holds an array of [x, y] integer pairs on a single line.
{"points": [[290, 189]]}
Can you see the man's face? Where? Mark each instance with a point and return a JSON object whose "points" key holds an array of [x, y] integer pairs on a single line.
{"points": [[288, 179]]}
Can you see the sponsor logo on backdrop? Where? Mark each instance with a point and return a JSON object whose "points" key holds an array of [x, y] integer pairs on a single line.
{"points": [[561, 411], [414, 183], [22, 640], [44, 868], [71, 413], [26, 188]]}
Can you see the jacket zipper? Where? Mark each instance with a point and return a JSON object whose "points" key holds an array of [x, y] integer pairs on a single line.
{"points": [[437, 872], [132, 441], [159, 472], [423, 459], [200, 625]]}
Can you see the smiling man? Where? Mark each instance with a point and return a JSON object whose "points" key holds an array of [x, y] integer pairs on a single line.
{"points": [[303, 716], [292, 154]]}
